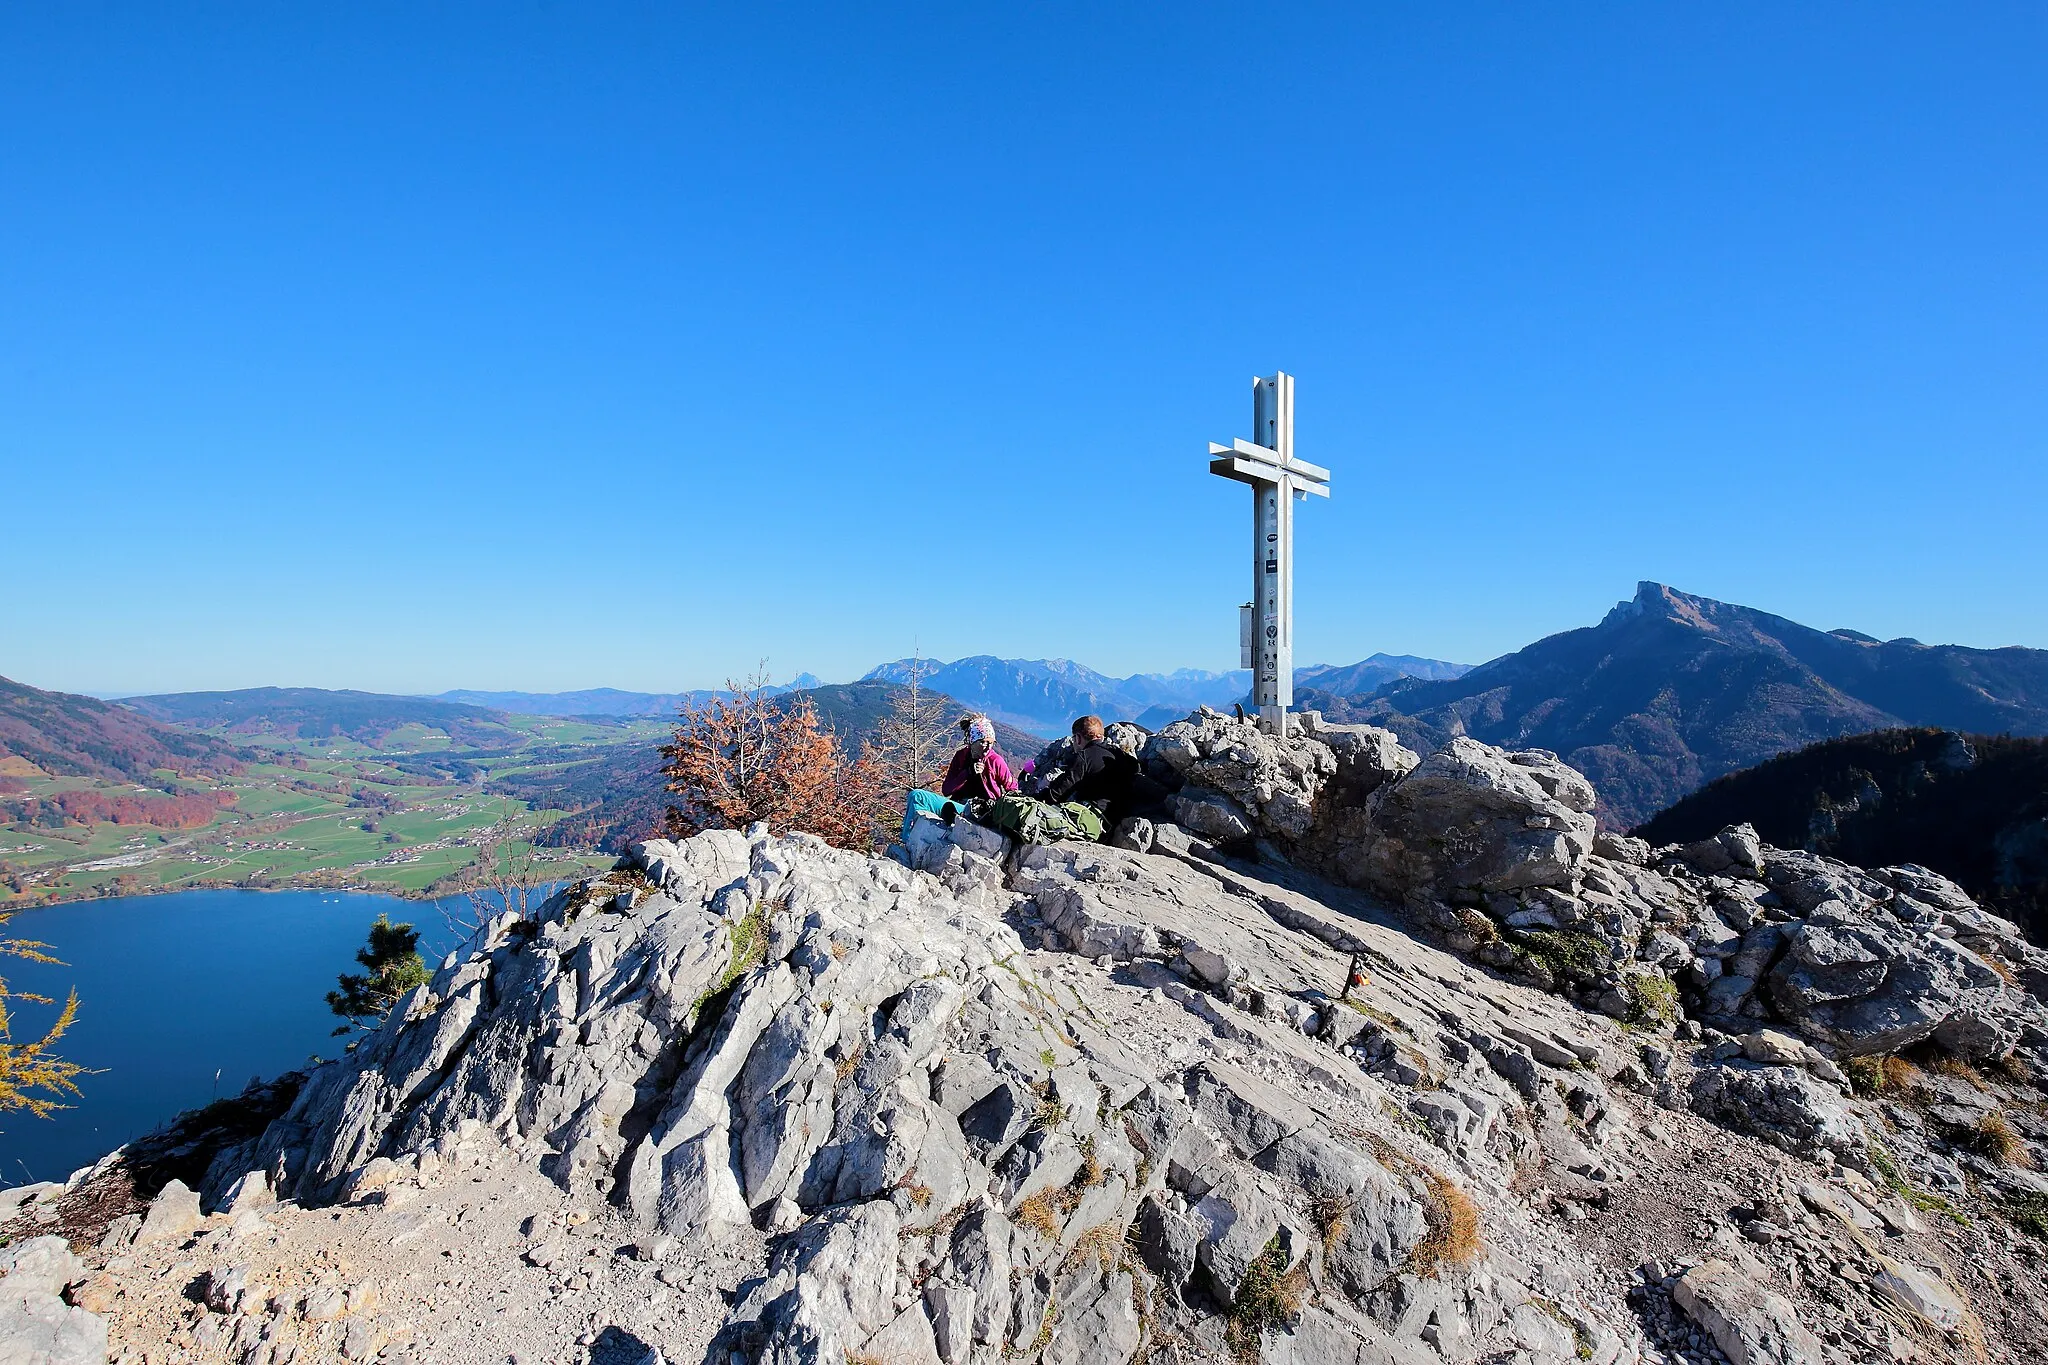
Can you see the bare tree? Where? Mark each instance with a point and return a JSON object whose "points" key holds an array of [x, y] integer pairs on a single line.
{"points": [[915, 741], [508, 874]]}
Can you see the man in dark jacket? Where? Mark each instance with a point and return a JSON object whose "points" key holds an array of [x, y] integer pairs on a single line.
{"points": [[1105, 777]]}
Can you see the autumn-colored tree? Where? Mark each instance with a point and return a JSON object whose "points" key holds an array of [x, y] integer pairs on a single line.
{"points": [[747, 756], [31, 1076]]}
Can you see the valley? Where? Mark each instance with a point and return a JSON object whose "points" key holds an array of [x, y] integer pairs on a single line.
{"points": [[405, 810]]}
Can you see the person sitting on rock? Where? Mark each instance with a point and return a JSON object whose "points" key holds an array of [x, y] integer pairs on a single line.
{"points": [[1105, 777], [978, 770]]}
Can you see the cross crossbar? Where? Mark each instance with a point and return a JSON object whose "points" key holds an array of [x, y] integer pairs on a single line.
{"points": [[1256, 456]]}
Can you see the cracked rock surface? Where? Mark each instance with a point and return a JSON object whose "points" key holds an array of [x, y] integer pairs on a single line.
{"points": [[1331, 1089]]}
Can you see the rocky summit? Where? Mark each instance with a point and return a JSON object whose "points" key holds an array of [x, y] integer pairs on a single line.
{"points": [[1360, 1057]]}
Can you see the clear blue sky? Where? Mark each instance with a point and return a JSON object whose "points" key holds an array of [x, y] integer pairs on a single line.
{"points": [[410, 347]]}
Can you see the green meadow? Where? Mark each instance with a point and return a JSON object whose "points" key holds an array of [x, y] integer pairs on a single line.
{"points": [[405, 815]]}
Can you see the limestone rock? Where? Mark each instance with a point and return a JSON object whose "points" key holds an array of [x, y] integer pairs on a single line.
{"points": [[38, 1328], [40, 1265], [1926, 1296], [1472, 817], [1270, 784], [1751, 1324], [964, 1100], [173, 1214], [1853, 979], [1781, 1105]]}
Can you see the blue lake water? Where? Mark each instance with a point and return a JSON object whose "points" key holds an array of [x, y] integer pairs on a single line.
{"points": [[183, 998]]}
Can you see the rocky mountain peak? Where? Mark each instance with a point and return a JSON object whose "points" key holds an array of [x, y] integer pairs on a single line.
{"points": [[1657, 602], [1363, 1057]]}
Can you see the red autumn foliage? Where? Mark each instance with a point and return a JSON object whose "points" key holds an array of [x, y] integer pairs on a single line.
{"points": [[163, 812], [740, 759]]}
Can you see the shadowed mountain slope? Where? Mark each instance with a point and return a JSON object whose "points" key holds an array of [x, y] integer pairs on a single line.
{"points": [[1973, 808], [1671, 690]]}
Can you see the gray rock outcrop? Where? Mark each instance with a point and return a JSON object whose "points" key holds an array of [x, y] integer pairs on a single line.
{"points": [[37, 1327], [965, 1159], [1067, 1103]]}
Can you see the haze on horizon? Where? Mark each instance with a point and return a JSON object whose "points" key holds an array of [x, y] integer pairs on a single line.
{"points": [[615, 346]]}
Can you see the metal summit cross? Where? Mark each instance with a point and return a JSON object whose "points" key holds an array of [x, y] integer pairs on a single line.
{"points": [[1278, 480]]}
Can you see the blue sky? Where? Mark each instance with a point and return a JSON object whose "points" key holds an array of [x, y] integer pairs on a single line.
{"points": [[551, 346]]}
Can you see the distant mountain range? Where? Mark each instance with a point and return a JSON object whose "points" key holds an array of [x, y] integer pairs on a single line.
{"points": [[1973, 808], [66, 735], [606, 701], [1671, 690], [1046, 695], [1666, 693], [1039, 696]]}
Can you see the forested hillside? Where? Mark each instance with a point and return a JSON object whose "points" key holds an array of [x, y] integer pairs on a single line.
{"points": [[1972, 807], [318, 713], [66, 735]]}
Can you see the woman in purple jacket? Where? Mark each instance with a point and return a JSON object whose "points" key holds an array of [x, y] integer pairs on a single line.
{"points": [[976, 772], [978, 769]]}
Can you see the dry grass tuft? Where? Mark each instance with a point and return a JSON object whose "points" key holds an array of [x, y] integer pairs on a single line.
{"points": [[1040, 1215], [1454, 1234], [2002, 967], [920, 1195], [1899, 1074], [1051, 1112], [1103, 1243], [1994, 1137], [847, 1064], [1882, 1075], [1090, 1174], [1269, 1297], [1332, 1217], [1956, 1068]]}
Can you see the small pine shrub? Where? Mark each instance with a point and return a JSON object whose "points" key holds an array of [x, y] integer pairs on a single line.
{"points": [[1652, 1000], [1569, 954], [2028, 1213], [394, 967]]}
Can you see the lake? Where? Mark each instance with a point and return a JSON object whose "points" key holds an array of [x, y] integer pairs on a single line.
{"points": [[184, 998]]}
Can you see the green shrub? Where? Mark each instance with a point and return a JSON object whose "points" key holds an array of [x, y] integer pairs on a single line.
{"points": [[395, 967], [1570, 954], [1270, 1296], [1652, 1000]]}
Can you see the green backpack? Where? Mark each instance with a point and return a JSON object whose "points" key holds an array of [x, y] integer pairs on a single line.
{"points": [[1031, 821]]}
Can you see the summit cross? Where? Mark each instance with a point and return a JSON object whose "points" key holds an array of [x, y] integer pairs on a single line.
{"points": [[1278, 480]]}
